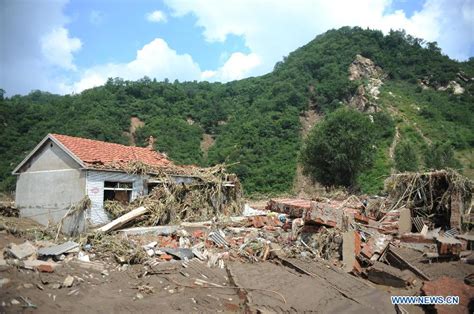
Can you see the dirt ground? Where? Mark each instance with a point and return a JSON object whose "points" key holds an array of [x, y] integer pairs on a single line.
{"points": [[117, 291], [279, 285]]}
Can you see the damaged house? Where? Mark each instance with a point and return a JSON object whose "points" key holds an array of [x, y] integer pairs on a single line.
{"points": [[62, 170]]}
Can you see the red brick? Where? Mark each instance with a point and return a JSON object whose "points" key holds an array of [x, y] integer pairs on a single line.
{"points": [[368, 249], [166, 257], [269, 228], [361, 218], [45, 268], [198, 233], [415, 238], [358, 242]]}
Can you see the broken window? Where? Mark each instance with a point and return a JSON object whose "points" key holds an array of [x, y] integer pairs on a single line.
{"points": [[118, 191], [151, 186]]}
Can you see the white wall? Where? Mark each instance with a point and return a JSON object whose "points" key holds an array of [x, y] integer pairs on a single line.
{"points": [[95, 189], [48, 185]]}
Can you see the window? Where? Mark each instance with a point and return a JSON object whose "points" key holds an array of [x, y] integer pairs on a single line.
{"points": [[118, 191]]}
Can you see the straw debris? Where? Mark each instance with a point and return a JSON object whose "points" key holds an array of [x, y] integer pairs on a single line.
{"points": [[435, 196], [197, 194]]}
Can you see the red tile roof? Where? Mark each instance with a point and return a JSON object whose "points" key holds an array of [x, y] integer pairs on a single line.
{"points": [[102, 154]]}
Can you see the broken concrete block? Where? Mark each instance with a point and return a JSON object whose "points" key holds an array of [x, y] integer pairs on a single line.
{"points": [[68, 281], [424, 231], [22, 251], [180, 253], [321, 214], [404, 223], [351, 247], [387, 275], [294, 208]]}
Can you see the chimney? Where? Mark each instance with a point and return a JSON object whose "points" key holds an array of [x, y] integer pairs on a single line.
{"points": [[151, 143]]}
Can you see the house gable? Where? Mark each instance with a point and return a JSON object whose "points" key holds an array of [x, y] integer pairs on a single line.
{"points": [[48, 155]]}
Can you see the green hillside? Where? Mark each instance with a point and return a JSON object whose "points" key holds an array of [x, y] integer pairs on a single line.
{"points": [[255, 122]]}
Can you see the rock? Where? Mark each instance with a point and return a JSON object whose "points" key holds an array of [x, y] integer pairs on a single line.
{"points": [[364, 68], [28, 285], [139, 296], [83, 257], [68, 281], [124, 267], [4, 282], [457, 89], [22, 251], [14, 302], [55, 285], [454, 87], [105, 272]]}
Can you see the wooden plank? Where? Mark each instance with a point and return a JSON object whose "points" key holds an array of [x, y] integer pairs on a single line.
{"points": [[117, 223]]}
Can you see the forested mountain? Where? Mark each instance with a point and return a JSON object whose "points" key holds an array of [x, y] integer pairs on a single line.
{"points": [[255, 124]]}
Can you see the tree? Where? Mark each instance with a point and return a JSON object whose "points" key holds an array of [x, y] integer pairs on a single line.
{"points": [[339, 148], [440, 156], [406, 158]]}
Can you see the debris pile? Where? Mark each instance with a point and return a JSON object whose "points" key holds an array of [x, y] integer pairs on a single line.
{"points": [[439, 198], [200, 224], [8, 209], [203, 193]]}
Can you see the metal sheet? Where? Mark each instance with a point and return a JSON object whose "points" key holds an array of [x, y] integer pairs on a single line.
{"points": [[58, 249]]}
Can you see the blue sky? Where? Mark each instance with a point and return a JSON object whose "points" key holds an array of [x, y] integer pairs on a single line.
{"points": [[65, 46]]}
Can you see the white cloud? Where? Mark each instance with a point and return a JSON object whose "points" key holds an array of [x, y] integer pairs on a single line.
{"points": [[22, 63], [272, 29], [238, 66], [58, 48], [38, 51], [157, 17], [156, 60]]}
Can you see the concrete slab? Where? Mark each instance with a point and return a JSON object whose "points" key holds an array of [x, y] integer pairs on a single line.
{"points": [[22, 251], [351, 248], [387, 275], [404, 223]]}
